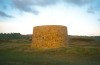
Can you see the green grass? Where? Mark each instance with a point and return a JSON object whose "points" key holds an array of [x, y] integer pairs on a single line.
{"points": [[18, 52]]}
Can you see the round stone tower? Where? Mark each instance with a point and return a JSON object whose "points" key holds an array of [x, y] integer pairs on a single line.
{"points": [[49, 36]]}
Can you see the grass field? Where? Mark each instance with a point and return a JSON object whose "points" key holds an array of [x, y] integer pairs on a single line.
{"points": [[80, 51]]}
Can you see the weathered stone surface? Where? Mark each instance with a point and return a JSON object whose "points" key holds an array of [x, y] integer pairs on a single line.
{"points": [[49, 36]]}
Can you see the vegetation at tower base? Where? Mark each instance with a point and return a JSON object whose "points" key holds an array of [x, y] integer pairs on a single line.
{"points": [[81, 50], [49, 36]]}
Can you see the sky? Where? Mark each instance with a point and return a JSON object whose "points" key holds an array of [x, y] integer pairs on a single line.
{"points": [[82, 17]]}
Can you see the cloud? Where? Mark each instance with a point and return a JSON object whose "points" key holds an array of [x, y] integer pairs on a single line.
{"points": [[46, 2], [23, 5], [95, 6], [98, 19], [2, 14], [78, 2], [30, 5], [26, 5]]}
